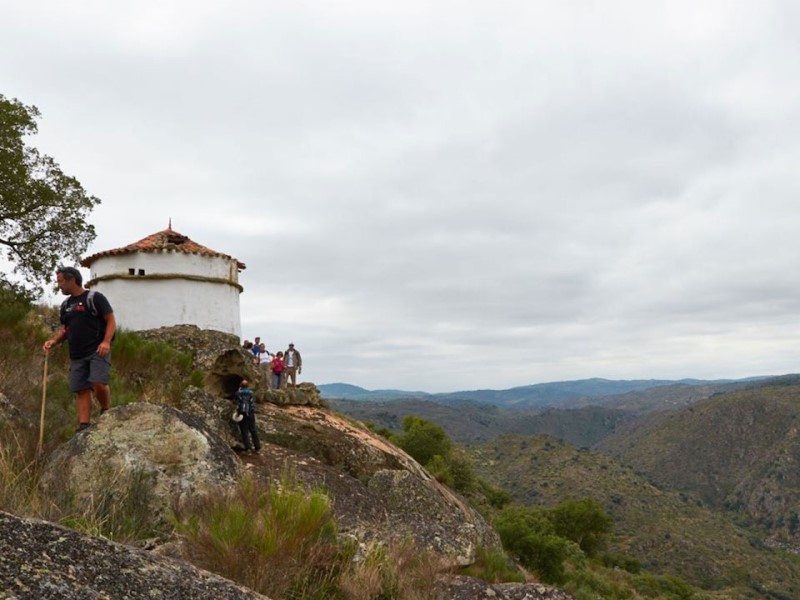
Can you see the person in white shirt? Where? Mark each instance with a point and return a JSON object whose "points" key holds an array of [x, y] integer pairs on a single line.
{"points": [[264, 360]]}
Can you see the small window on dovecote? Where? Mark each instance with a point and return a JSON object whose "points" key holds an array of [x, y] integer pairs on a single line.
{"points": [[141, 271], [176, 238], [131, 271]]}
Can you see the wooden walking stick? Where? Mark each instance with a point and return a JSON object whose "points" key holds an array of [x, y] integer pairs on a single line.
{"points": [[44, 397]]}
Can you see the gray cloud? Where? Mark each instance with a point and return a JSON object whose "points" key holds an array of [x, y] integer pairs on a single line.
{"points": [[452, 196]]}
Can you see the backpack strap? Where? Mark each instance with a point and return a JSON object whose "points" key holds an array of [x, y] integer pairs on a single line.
{"points": [[90, 303]]}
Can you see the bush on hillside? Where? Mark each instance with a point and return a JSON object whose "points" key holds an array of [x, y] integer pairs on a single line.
{"points": [[494, 566], [529, 536], [14, 306], [280, 540], [272, 539], [423, 440], [584, 522]]}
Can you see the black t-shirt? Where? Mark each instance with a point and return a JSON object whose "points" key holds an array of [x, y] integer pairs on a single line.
{"points": [[85, 331]]}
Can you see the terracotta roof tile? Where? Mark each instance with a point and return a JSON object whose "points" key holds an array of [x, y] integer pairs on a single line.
{"points": [[169, 240]]}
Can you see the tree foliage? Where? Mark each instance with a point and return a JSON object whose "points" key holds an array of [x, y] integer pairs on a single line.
{"points": [[543, 539], [528, 534], [584, 522], [423, 440], [43, 211]]}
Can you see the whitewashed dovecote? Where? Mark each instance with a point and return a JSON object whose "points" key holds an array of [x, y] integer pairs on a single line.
{"points": [[167, 279]]}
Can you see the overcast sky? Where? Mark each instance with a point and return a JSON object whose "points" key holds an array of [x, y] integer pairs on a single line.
{"points": [[446, 195]]}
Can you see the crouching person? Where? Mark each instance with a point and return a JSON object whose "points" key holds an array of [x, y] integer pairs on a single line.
{"points": [[246, 407]]}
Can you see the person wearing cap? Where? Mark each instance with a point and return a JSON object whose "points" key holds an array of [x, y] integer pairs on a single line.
{"points": [[293, 364], [89, 326]]}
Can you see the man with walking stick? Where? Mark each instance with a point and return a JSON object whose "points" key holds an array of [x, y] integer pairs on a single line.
{"points": [[89, 326]]}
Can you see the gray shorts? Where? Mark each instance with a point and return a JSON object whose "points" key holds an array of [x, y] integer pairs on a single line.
{"points": [[85, 372]]}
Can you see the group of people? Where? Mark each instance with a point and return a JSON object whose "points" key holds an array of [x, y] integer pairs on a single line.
{"points": [[89, 327], [279, 369]]}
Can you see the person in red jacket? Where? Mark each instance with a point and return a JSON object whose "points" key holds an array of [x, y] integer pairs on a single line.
{"points": [[277, 367]]}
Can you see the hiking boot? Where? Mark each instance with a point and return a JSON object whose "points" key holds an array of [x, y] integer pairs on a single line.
{"points": [[83, 427]]}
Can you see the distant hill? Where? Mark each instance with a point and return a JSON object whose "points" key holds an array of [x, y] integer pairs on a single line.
{"points": [[562, 394], [353, 392], [471, 422], [738, 451], [584, 423], [668, 531]]}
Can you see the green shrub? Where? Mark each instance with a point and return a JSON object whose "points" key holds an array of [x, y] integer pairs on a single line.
{"points": [[584, 522], [496, 497], [381, 431], [14, 307], [494, 566], [439, 468], [529, 536], [587, 584], [462, 473], [275, 539], [423, 440], [627, 563], [665, 587]]}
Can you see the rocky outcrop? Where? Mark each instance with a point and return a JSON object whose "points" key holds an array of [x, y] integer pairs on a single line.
{"points": [[214, 411], [377, 490], [226, 363], [43, 560], [467, 588], [167, 452], [218, 354], [305, 394], [378, 493]]}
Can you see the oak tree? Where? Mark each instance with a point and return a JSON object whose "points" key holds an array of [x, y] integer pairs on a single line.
{"points": [[43, 210]]}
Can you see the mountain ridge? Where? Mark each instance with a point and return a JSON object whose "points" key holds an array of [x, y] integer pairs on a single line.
{"points": [[561, 394]]}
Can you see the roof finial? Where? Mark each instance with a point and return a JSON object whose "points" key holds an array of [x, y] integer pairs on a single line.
{"points": [[170, 224]]}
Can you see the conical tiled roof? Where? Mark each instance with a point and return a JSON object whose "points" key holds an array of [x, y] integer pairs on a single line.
{"points": [[169, 240]]}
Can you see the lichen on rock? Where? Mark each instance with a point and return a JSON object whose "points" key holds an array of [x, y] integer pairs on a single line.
{"points": [[176, 451]]}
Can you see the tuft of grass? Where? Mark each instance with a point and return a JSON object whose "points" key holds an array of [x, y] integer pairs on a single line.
{"points": [[276, 539], [20, 474], [280, 540], [398, 571], [149, 370], [124, 516]]}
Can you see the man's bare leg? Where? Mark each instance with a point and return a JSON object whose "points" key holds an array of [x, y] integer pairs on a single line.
{"points": [[84, 406], [102, 392]]}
